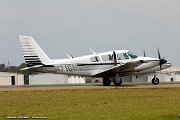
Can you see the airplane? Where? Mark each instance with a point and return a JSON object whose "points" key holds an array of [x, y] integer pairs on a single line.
{"points": [[111, 65]]}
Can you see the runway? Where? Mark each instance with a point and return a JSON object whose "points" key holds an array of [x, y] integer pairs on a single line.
{"points": [[131, 86]]}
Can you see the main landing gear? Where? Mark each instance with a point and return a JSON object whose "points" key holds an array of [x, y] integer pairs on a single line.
{"points": [[155, 80], [117, 81], [106, 81]]}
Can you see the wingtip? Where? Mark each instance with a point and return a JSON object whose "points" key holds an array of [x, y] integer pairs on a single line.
{"points": [[24, 36]]}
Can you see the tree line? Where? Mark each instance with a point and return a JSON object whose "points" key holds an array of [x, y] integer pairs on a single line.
{"points": [[13, 69]]}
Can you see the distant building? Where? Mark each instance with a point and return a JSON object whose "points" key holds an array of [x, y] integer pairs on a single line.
{"points": [[171, 74], [127, 79], [97, 80], [75, 79], [7, 78], [46, 78]]}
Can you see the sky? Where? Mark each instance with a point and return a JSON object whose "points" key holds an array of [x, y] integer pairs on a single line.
{"points": [[74, 26]]}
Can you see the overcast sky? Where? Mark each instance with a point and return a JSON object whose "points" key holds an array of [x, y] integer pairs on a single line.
{"points": [[74, 26]]}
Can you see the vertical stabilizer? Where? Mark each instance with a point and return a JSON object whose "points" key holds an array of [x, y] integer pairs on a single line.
{"points": [[33, 54]]}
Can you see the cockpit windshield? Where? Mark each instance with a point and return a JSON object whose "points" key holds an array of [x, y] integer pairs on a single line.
{"points": [[132, 55]]}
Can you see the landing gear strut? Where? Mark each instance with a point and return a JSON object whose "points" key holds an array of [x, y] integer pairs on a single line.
{"points": [[106, 81], [155, 80], [117, 83], [117, 80]]}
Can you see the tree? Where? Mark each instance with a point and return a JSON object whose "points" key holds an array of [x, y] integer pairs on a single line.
{"points": [[3, 68], [13, 69], [23, 65]]}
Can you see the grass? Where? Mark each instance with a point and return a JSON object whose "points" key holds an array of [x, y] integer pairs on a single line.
{"points": [[86, 84], [100, 104]]}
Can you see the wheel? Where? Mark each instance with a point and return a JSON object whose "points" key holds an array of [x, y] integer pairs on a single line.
{"points": [[106, 81], [117, 84], [155, 81]]}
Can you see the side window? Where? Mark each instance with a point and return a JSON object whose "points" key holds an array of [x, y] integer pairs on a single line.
{"points": [[107, 57], [125, 55], [95, 59], [110, 57], [122, 56]]}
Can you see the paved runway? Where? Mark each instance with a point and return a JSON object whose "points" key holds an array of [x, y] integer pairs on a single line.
{"points": [[131, 86]]}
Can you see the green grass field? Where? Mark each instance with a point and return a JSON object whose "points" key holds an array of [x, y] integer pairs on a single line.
{"points": [[101, 104]]}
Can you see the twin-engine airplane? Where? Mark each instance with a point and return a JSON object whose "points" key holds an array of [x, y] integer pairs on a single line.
{"points": [[111, 66]]}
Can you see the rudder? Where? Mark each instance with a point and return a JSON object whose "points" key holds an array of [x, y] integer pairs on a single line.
{"points": [[33, 53]]}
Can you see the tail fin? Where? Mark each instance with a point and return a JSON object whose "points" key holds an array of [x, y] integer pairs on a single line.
{"points": [[33, 54]]}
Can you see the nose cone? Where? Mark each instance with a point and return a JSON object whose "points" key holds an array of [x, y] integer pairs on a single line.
{"points": [[163, 61], [166, 65]]}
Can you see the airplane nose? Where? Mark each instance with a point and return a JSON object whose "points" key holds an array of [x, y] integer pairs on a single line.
{"points": [[167, 65], [162, 61]]}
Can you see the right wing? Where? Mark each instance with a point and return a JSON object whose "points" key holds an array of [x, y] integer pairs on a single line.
{"points": [[122, 69]]}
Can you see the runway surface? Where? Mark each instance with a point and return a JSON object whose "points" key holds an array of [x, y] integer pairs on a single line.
{"points": [[131, 86]]}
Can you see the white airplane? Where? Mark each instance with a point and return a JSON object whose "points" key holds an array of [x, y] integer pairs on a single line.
{"points": [[110, 66]]}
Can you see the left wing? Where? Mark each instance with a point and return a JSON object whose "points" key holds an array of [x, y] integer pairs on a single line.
{"points": [[122, 69]]}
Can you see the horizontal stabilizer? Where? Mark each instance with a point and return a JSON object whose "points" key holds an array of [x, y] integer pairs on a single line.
{"points": [[27, 68]]}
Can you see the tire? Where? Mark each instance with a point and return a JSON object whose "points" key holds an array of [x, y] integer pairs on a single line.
{"points": [[155, 81], [106, 81], [117, 84]]}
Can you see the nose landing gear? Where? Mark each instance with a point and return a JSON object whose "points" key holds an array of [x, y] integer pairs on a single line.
{"points": [[155, 80]]}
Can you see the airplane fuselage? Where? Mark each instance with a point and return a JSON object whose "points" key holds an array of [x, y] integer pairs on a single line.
{"points": [[84, 66]]}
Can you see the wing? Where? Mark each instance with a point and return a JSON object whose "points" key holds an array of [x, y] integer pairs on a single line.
{"points": [[121, 69]]}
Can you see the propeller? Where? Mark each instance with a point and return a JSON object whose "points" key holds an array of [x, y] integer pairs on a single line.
{"points": [[115, 58], [144, 53], [162, 61]]}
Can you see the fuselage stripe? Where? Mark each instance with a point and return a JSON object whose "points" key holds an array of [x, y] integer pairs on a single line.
{"points": [[96, 64]]}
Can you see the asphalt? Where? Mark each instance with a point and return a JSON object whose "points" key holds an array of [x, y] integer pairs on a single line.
{"points": [[32, 88]]}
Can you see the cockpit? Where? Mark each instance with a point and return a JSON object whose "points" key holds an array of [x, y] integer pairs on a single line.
{"points": [[120, 55], [132, 55], [126, 55]]}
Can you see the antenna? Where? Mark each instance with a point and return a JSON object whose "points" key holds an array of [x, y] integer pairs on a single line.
{"points": [[92, 51], [71, 57], [8, 66]]}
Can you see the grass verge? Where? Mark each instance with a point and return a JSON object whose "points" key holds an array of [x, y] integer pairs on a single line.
{"points": [[91, 104]]}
